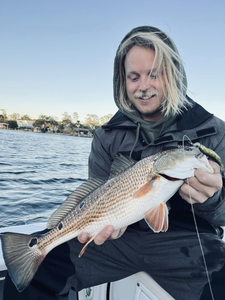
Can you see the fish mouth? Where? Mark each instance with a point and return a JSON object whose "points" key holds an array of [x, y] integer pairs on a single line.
{"points": [[169, 178], [199, 155]]}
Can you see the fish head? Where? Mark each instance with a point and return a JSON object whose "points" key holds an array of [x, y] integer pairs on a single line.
{"points": [[181, 163]]}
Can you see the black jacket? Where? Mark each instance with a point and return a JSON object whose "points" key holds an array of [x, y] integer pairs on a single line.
{"points": [[119, 136]]}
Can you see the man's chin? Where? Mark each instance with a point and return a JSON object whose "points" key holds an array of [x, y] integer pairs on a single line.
{"points": [[152, 115]]}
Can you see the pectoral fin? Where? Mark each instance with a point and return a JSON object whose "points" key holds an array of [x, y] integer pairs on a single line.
{"points": [[157, 218], [85, 246], [151, 186]]}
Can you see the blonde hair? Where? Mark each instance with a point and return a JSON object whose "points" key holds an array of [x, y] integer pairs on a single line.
{"points": [[169, 65]]}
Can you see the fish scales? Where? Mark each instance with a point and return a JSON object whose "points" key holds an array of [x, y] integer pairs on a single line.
{"points": [[110, 198], [107, 204]]}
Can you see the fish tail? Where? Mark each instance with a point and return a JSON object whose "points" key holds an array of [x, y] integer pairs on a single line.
{"points": [[22, 257]]}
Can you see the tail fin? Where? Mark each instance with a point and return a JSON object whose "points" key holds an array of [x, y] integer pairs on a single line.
{"points": [[22, 257]]}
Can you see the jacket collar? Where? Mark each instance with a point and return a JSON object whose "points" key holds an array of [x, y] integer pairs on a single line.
{"points": [[192, 117], [189, 119]]}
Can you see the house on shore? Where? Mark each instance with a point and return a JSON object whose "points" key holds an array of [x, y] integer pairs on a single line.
{"points": [[82, 132], [37, 129], [52, 129], [85, 132], [25, 124], [4, 125]]}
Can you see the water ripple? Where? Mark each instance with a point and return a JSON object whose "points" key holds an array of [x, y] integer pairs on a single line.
{"points": [[38, 171]]}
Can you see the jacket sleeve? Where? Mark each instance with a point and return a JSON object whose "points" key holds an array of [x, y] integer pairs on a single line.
{"points": [[213, 209], [99, 160]]}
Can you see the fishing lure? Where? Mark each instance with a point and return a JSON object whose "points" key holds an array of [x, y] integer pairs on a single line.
{"points": [[210, 153]]}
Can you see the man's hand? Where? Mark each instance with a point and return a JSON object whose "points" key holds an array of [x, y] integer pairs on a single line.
{"points": [[107, 233], [202, 186]]}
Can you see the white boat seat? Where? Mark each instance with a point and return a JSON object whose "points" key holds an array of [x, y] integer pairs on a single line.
{"points": [[139, 286]]}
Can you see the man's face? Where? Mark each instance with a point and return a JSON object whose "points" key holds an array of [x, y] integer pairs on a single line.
{"points": [[145, 91]]}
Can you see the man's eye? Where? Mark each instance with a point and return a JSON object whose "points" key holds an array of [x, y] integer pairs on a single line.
{"points": [[134, 79]]}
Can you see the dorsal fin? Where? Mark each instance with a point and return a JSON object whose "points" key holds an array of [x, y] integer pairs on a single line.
{"points": [[73, 200], [120, 164]]}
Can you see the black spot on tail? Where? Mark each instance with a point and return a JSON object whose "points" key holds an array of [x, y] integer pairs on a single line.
{"points": [[33, 242], [60, 226]]}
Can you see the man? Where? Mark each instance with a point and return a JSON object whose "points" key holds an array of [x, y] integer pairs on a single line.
{"points": [[154, 114]]}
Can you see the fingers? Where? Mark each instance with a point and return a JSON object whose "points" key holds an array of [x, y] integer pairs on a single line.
{"points": [[107, 233], [211, 180], [102, 236], [117, 233], [215, 166], [202, 186], [191, 195], [83, 238]]}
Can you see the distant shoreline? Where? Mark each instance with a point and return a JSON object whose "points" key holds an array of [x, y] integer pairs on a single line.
{"points": [[47, 132]]}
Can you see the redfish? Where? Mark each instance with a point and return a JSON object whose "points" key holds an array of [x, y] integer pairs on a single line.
{"points": [[135, 190]]}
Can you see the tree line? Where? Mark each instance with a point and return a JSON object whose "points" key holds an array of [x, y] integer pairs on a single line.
{"points": [[92, 121]]}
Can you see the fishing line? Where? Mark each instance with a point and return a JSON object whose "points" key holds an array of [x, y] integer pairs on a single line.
{"points": [[199, 240], [197, 231]]}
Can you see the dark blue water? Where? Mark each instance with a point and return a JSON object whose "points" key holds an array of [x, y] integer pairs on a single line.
{"points": [[37, 172]]}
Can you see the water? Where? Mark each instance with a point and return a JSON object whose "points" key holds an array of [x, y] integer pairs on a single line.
{"points": [[37, 172]]}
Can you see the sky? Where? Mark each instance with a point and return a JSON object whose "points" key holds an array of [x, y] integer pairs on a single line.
{"points": [[57, 56]]}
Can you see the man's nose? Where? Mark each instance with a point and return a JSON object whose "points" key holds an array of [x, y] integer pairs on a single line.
{"points": [[144, 84]]}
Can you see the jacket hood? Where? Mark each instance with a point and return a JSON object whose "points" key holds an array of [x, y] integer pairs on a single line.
{"points": [[135, 116], [163, 36]]}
